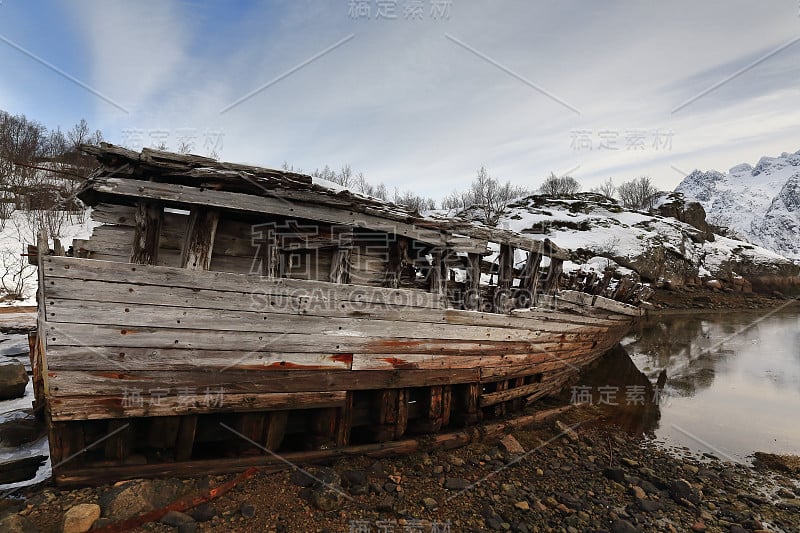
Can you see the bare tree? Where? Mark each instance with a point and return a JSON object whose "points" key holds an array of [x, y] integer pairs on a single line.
{"points": [[413, 202], [638, 193], [607, 189], [486, 194], [556, 187]]}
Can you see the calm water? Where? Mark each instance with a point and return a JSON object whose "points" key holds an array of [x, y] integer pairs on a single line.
{"points": [[732, 381]]}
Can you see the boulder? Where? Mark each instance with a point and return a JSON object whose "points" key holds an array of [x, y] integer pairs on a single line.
{"points": [[13, 379], [80, 518], [17, 524], [18, 470], [20, 430]]}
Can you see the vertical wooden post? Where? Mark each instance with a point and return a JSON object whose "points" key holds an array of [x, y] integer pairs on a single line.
{"points": [[438, 272], [119, 445], [275, 429], [340, 262], [198, 242], [147, 233], [505, 279], [184, 443], [530, 275], [391, 414], [432, 405], [500, 408], [323, 428], [553, 275], [466, 398], [472, 300], [398, 256], [344, 421], [269, 254]]}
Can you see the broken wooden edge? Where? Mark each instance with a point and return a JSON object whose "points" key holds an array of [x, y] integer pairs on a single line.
{"points": [[275, 462]]}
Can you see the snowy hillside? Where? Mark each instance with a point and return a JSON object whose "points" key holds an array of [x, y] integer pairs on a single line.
{"points": [[760, 204], [18, 280], [658, 248]]}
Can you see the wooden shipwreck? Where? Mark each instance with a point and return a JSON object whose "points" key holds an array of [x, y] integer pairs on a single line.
{"points": [[221, 313]]}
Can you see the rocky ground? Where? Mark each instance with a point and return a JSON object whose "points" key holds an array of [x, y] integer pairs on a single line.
{"points": [[550, 478], [704, 299]]}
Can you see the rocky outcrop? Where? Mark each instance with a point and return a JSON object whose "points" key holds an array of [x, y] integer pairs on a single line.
{"points": [[692, 213], [13, 379]]}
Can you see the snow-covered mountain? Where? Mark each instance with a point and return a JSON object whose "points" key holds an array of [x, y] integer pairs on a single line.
{"points": [[759, 204]]}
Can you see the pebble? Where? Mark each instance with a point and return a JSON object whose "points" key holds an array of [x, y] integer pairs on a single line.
{"points": [[523, 506], [455, 483]]}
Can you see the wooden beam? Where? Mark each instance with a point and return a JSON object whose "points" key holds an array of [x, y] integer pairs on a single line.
{"points": [[437, 277], [553, 276], [398, 257], [472, 298], [182, 195], [505, 279], [147, 232], [530, 277], [198, 243], [340, 264], [275, 429]]}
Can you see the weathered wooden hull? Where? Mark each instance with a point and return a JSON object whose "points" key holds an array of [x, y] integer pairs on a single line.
{"points": [[166, 365]]}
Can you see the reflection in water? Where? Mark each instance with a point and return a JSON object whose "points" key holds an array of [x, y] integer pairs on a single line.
{"points": [[733, 380], [616, 381]]}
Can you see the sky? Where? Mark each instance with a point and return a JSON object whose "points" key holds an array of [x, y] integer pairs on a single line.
{"points": [[419, 94]]}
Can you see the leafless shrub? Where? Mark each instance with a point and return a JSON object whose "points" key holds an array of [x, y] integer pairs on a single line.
{"points": [[556, 187], [639, 193]]}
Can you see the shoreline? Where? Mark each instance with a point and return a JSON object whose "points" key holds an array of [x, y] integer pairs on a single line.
{"points": [[576, 470]]}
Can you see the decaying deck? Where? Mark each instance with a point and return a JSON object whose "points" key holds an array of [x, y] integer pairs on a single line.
{"points": [[221, 313]]}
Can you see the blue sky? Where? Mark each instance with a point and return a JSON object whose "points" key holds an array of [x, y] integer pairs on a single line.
{"points": [[421, 95]]}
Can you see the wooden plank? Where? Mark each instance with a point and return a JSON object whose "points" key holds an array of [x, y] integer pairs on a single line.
{"points": [[119, 444], [345, 421], [447, 404], [472, 299], [430, 361], [135, 358], [268, 254], [323, 425], [333, 341], [398, 257], [317, 303], [147, 233], [194, 401], [199, 241], [553, 275], [103, 383], [437, 276], [182, 195], [184, 444], [66, 267], [275, 429], [251, 426], [505, 279], [340, 265], [466, 403], [67, 444], [504, 395], [232, 322], [499, 408]]}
